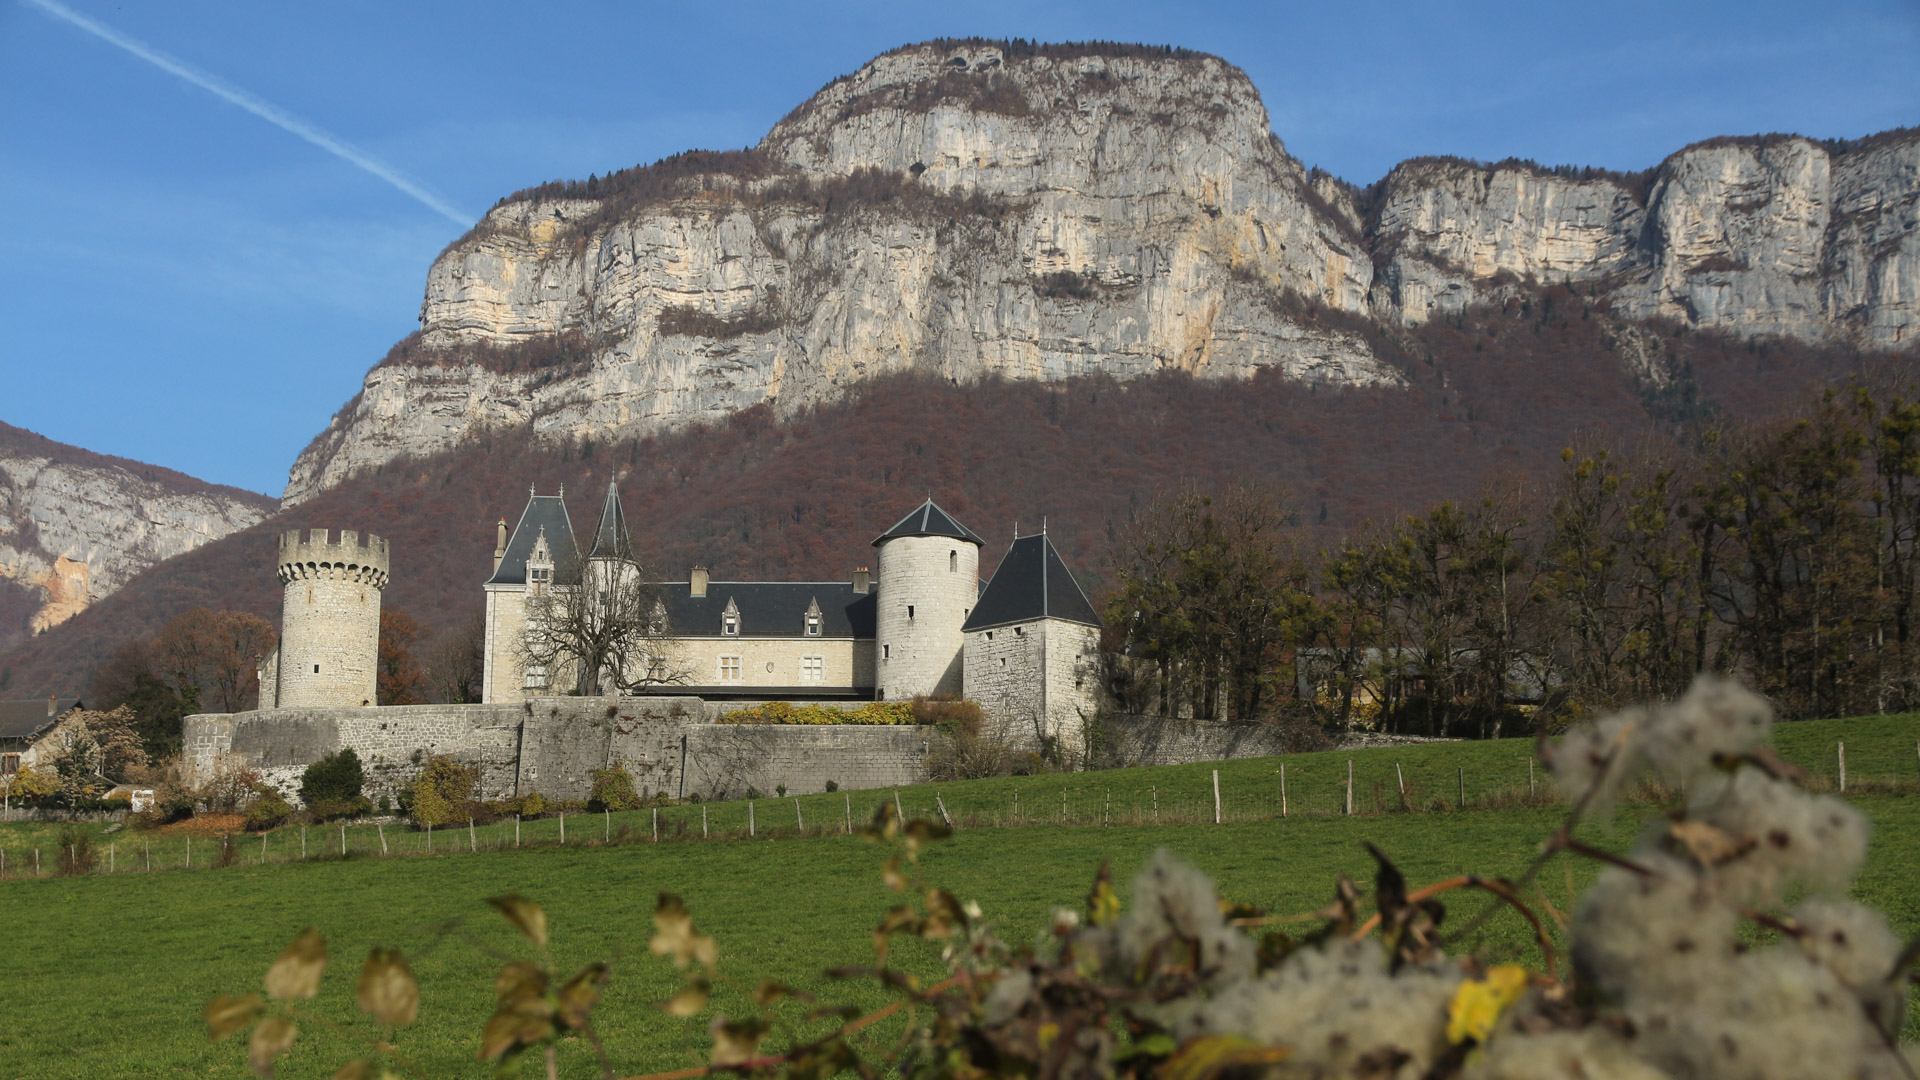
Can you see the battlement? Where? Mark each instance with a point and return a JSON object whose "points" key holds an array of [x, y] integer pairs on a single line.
{"points": [[314, 555]]}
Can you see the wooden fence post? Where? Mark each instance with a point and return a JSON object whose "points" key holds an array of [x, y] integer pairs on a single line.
{"points": [[897, 811], [1843, 766], [516, 830], [1106, 810], [798, 821], [1216, 796], [1529, 776], [1063, 806], [703, 821], [563, 828], [749, 817], [656, 824], [263, 849], [110, 867], [473, 844], [36, 856], [1349, 787], [343, 838], [1463, 787], [849, 797], [1154, 790], [1401, 778], [303, 841], [606, 835], [381, 828], [939, 802]]}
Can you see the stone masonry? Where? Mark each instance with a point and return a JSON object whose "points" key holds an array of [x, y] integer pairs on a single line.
{"points": [[330, 621], [929, 583]]}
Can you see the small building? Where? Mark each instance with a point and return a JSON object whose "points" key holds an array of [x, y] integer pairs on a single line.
{"points": [[25, 727]]}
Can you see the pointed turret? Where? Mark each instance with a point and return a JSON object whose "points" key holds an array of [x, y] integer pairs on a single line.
{"points": [[611, 540]]}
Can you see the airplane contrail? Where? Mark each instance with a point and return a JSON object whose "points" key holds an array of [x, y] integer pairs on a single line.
{"points": [[272, 114]]}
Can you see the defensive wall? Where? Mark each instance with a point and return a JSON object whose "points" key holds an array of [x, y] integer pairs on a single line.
{"points": [[669, 744]]}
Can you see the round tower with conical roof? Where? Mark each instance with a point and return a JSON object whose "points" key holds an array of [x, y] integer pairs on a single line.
{"points": [[929, 580]]}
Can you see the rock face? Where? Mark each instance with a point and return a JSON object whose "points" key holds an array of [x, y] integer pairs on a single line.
{"points": [[76, 526], [974, 210]]}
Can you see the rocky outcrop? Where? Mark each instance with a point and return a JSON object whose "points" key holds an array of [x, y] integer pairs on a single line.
{"points": [[76, 526], [1772, 235], [987, 210]]}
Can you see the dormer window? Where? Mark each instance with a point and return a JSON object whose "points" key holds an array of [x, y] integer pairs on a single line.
{"points": [[730, 619], [813, 624]]}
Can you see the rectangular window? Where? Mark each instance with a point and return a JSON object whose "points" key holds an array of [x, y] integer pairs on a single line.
{"points": [[886, 652], [730, 624], [909, 612], [813, 625], [9, 764], [813, 668], [537, 677], [729, 669]]}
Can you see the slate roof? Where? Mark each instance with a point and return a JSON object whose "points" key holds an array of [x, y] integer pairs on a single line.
{"points": [[1032, 582], [770, 609], [543, 511], [929, 520], [611, 540], [27, 719]]}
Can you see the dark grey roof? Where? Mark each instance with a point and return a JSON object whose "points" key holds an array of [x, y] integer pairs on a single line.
{"points": [[1032, 582], [27, 719], [543, 511], [770, 608], [929, 520], [611, 540]]}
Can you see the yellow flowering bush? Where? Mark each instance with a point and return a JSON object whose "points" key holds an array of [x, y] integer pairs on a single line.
{"points": [[782, 712]]}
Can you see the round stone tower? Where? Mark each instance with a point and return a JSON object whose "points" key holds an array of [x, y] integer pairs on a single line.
{"points": [[929, 579], [329, 619]]}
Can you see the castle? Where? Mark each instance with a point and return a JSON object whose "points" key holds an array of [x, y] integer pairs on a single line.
{"points": [[1023, 644]]}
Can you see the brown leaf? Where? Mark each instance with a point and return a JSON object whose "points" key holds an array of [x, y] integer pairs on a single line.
{"points": [[1709, 844], [522, 1023], [518, 981], [943, 914], [357, 1069], [687, 1002], [577, 997], [884, 826], [768, 992], [675, 936], [525, 915], [270, 1039], [736, 1041], [227, 1014], [387, 989], [296, 974], [891, 874]]}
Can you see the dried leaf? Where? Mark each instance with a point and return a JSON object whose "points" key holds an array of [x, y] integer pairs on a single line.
{"points": [[1477, 1004], [296, 974], [1389, 886], [518, 981], [890, 873], [676, 938], [357, 1069], [920, 833], [687, 1002], [525, 915], [1103, 904], [387, 989], [522, 1023], [1709, 844], [884, 826], [227, 1014], [578, 996], [736, 1041], [1210, 1055], [769, 991], [943, 914], [270, 1039]]}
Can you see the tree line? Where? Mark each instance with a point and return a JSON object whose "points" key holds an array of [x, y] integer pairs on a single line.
{"points": [[1782, 552]]}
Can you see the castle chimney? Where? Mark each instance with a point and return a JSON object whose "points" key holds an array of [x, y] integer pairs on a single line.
{"points": [[698, 586], [862, 580], [499, 543]]}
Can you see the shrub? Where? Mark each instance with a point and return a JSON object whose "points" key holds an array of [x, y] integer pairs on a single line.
{"points": [[532, 804], [29, 786], [334, 778], [267, 811], [781, 712], [833, 785], [439, 795], [335, 809], [76, 855], [613, 789]]}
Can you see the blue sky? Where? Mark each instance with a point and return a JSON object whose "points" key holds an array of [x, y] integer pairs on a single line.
{"points": [[183, 282]]}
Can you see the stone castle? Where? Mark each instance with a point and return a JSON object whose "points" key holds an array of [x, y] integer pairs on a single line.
{"points": [[1023, 644]]}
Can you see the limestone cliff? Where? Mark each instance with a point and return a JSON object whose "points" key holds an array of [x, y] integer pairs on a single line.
{"points": [[975, 209], [75, 526]]}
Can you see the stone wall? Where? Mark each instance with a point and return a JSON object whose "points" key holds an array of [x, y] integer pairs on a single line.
{"points": [[1153, 740], [553, 745], [329, 619], [938, 578]]}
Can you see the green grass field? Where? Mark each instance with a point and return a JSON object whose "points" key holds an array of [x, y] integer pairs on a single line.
{"points": [[105, 975]]}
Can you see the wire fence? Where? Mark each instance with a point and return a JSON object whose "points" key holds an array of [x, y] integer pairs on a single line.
{"points": [[1321, 786]]}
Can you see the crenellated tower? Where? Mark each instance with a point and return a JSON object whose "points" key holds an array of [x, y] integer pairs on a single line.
{"points": [[329, 621]]}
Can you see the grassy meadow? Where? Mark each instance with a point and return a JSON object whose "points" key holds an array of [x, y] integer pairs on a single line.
{"points": [[105, 974]]}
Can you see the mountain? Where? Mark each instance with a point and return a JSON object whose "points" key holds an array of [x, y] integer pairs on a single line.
{"points": [[76, 526], [964, 209]]}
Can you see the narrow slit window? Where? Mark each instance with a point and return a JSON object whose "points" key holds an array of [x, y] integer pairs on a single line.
{"points": [[953, 562]]}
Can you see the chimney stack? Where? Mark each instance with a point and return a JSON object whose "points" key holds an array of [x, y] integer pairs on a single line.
{"points": [[698, 586], [499, 543], [862, 580]]}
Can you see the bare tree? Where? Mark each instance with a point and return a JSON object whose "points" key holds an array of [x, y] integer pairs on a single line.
{"points": [[602, 627]]}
